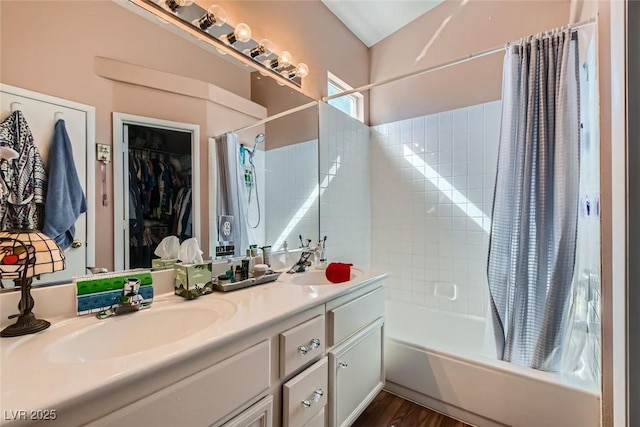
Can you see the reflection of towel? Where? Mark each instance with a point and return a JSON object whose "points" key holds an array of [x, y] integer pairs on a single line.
{"points": [[65, 200]]}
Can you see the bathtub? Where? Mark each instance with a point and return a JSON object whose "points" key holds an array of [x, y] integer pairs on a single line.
{"points": [[440, 360]]}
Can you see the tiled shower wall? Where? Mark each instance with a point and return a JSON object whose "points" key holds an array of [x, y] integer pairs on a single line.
{"points": [[345, 192], [293, 168], [432, 181]]}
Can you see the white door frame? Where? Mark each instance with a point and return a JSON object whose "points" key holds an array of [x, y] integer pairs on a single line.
{"points": [[120, 224], [90, 112]]}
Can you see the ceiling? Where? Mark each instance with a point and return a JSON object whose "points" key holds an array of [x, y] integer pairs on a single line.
{"points": [[373, 20]]}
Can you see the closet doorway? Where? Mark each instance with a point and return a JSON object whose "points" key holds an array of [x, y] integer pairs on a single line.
{"points": [[155, 162]]}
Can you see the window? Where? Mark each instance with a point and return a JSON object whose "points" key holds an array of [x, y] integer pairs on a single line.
{"points": [[352, 104]]}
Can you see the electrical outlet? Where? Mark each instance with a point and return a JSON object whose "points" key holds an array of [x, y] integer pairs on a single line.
{"points": [[103, 153]]}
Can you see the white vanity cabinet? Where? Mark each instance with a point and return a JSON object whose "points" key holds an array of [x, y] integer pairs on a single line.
{"points": [[356, 365], [319, 367], [351, 374], [204, 397]]}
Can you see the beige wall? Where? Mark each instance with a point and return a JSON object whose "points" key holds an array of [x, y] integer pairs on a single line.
{"points": [[291, 129], [474, 27], [312, 34]]}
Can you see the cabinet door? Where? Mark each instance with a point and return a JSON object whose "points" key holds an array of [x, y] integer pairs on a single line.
{"points": [[356, 374], [259, 415]]}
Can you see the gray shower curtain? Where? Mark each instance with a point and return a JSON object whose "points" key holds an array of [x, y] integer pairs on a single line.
{"points": [[535, 208], [230, 198]]}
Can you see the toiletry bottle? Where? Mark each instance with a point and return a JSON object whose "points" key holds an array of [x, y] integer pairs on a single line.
{"points": [[230, 272], [266, 255], [322, 255], [238, 274], [245, 269]]}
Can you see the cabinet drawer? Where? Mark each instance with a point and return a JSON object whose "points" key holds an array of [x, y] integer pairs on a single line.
{"points": [[348, 319], [305, 395], [301, 345], [356, 371], [259, 415], [204, 397], [318, 420]]}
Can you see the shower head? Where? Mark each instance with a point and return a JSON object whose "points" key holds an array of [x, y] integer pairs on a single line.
{"points": [[259, 138]]}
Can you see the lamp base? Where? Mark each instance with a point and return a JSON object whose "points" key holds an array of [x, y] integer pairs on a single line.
{"points": [[26, 324]]}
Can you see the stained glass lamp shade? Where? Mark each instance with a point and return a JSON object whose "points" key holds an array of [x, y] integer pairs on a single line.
{"points": [[25, 254]]}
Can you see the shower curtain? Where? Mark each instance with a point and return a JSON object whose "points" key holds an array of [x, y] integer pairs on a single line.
{"points": [[230, 200], [535, 208]]}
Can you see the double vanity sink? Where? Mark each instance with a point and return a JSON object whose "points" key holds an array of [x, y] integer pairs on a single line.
{"points": [[170, 320], [78, 358]]}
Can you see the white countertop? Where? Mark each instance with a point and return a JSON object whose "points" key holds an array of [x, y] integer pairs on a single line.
{"points": [[31, 380]]}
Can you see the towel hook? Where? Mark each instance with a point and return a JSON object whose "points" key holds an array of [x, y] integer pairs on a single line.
{"points": [[59, 115], [16, 106]]}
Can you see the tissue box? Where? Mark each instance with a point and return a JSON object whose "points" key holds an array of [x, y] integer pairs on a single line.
{"points": [[193, 280], [161, 263]]}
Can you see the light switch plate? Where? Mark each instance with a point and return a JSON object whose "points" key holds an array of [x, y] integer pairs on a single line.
{"points": [[103, 153]]}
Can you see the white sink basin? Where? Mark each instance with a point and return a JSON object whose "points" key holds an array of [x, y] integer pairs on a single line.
{"points": [[318, 277], [86, 340]]}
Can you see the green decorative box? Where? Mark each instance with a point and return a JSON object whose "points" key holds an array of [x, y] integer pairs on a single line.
{"points": [[193, 280], [162, 263]]}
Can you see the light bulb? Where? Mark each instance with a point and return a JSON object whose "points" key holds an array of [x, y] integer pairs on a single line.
{"points": [[175, 5], [273, 64], [242, 33], [215, 16], [264, 48], [285, 59], [302, 70]]}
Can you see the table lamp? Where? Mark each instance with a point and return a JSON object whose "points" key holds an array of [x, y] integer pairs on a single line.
{"points": [[25, 254]]}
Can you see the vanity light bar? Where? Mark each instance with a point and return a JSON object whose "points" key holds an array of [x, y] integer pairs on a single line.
{"points": [[210, 26]]}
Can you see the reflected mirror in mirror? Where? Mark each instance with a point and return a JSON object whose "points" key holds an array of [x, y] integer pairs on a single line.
{"points": [[267, 191]]}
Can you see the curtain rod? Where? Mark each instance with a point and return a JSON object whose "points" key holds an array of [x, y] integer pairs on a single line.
{"points": [[442, 66], [277, 116]]}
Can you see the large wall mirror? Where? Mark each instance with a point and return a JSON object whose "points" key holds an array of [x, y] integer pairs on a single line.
{"points": [[136, 66]]}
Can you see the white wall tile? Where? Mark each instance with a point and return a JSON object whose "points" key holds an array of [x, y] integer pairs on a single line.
{"points": [[418, 232]]}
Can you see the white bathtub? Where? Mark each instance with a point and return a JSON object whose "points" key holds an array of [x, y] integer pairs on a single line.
{"points": [[439, 360]]}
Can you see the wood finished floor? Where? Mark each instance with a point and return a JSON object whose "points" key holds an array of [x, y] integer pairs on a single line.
{"points": [[388, 410]]}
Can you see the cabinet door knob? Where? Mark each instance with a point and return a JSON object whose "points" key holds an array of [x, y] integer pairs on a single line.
{"points": [[317, 395], [76, 244], [343, 364], [313, 344]]}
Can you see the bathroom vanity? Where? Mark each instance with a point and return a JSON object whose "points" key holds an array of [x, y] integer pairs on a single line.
{"points": [[285, 353]]}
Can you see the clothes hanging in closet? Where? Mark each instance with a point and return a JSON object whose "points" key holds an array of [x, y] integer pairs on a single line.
{"points": [[159, 204], [25, 178]]}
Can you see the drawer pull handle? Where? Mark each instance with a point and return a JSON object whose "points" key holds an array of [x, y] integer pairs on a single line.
{"points": [[343, 364], [313, 344], [317, 395]]}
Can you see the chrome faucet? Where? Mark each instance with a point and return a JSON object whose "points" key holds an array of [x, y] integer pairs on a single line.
{"points": [[130, 301], [303, 263]]}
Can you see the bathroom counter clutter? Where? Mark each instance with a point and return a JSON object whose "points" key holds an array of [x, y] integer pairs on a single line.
{"points": [[81, 359]]}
